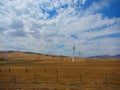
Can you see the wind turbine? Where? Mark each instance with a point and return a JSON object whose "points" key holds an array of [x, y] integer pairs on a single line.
{"points": [[73, 53]]}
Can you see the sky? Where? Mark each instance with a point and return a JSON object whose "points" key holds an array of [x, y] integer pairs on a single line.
{"points": [[55, 26]]}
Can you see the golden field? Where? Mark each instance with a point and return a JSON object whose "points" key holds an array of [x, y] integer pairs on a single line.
{"points": [[24, 71]]}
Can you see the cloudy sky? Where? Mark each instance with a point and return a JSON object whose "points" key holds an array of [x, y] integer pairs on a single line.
{"points": [[55, 26]]}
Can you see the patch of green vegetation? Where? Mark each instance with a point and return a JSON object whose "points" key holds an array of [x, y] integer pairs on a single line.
{"points": [[2, 59], [7, 62]]}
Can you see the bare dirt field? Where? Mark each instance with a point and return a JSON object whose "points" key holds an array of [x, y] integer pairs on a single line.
{"points": [[59, 73]]}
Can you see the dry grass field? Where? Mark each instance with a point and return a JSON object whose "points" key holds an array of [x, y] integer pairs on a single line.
{"points": [[43, 72]]}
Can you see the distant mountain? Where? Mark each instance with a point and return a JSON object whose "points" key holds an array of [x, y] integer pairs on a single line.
{"points": [[106, 56], [117, 56]]}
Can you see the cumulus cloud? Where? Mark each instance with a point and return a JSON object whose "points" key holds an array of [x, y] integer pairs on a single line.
{"points": [[83, 1], [54, 26]]}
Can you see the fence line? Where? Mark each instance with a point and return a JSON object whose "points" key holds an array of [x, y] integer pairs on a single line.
{"points": [[58, 77]]}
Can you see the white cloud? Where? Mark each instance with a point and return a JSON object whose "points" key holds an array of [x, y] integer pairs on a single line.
{"points": [[83, 1], [95, 7], [39, 33]]}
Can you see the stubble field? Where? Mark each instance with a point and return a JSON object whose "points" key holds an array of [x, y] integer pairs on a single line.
{"points": [[60, 74]]}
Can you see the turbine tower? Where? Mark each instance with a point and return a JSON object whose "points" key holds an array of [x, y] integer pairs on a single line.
{"points": [[73, 53], [79, 55]]}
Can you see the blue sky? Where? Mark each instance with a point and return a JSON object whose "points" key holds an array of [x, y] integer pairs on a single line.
{"points": [[55, 26]]}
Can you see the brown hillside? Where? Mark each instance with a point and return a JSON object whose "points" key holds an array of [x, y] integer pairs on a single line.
{"points": [[32, 56]]}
